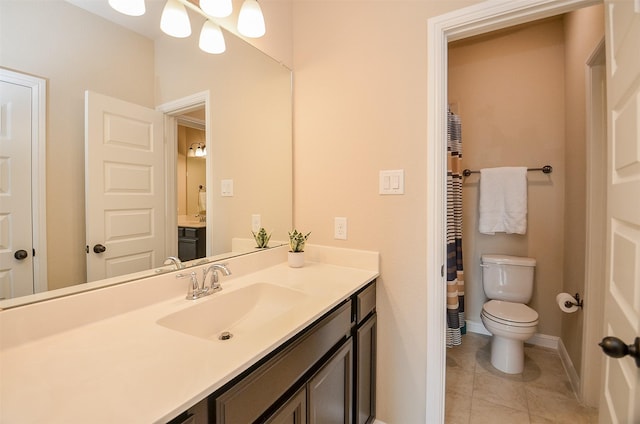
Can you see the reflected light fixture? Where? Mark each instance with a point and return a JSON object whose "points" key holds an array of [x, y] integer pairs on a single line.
{"points": [[251, 20], [175, 20], [199, 152], [211, 38], [217, 8], [128, 7]]}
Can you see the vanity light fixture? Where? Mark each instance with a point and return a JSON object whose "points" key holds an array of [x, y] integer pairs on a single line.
{"points": [[217, 8], [128, 7], [175, 20], [211, 38], [251, 20], [199, 152]]}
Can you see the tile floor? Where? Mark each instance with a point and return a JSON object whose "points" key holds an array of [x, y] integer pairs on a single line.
{"points": [[477, 393]]}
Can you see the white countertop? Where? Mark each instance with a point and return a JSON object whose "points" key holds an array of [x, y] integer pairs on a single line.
{"points": [[127, 368]]}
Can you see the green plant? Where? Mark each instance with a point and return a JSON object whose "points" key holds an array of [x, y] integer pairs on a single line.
{"points": [[297, 240], [261, 238]]}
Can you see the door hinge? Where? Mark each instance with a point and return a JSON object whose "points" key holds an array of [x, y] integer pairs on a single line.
{"points": [[442, 270]]}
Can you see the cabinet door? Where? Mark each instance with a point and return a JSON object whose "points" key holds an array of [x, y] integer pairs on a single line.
{"points": [[329, 391], [292, 412], [366, 371]]}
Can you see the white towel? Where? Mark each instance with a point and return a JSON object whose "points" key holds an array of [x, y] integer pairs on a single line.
{"points": [[503, 200]]}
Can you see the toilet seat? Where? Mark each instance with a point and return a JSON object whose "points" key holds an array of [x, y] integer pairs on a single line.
{"points": [[510, 313]]}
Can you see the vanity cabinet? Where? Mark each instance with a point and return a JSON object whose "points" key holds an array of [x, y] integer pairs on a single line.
{"points": [[364, 340], [192, 243], [324, 375]]}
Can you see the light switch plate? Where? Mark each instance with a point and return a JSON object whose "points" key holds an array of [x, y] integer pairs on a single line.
{"points": [[226, 188], [392, 181]]}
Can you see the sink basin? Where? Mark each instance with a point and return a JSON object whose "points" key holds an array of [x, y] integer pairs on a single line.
{"points": [[238, 312]]}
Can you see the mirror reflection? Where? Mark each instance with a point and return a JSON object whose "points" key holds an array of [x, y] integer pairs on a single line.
{"points": [[243, 99]]}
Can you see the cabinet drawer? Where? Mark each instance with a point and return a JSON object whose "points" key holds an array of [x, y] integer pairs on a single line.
{"points": [[191, 232], [365, 302], [252, 396]]}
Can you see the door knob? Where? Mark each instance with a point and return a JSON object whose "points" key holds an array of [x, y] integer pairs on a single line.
{"points": [[20, 254], [98, 248], [614, 347]]}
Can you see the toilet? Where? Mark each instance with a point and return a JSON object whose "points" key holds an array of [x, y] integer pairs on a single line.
{"points": [[508, 283]]}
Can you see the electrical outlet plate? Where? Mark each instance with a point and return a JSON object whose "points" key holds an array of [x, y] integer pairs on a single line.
{"points": [[256, 223], [340, 228]]}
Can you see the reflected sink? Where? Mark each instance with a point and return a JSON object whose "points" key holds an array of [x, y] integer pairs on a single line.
{"points": [[238, 312]]}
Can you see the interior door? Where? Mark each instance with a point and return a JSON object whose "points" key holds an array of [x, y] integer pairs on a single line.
{"points": [[124, 187], [620, 402], [16, 237]]}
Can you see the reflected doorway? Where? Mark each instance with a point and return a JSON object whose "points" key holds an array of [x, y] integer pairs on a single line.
{"points": [[191, 185]]}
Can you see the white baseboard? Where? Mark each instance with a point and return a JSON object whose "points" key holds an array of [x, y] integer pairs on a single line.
{"points": [[541, 340], [569, 368], [379, 422]]}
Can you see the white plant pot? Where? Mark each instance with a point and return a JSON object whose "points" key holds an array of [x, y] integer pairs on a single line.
{"points": [[296, 259]]}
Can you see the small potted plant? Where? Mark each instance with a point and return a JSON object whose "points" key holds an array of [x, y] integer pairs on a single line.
{"points": [[297, 241], [261, 238]]}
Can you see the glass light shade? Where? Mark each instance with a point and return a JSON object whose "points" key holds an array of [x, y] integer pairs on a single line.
{"points": [[175, 21], [200, 152], [211, 38], [251, 21], [217, 8], [128, 7], [191, 153]]}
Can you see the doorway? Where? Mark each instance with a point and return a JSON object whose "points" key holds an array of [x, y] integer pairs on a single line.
{"points": [[23, 232], [441, 30], [183, 110]]}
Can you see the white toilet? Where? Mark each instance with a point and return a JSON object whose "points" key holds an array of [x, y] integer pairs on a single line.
{"points": [[508, 283]]}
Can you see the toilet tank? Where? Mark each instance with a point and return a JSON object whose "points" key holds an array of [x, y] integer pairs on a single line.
{"points": [[507, 277]]}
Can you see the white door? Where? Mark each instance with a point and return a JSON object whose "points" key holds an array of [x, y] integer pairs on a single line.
{"points": [[620, 402], [124, 186], [16, 241]]}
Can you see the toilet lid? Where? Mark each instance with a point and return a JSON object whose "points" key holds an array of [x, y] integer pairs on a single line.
{"points": [[510, 313]]}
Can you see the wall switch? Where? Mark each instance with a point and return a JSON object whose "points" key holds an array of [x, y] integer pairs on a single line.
{"points": [[255, 223], [226, 188], [392, 182], [340, 228]]}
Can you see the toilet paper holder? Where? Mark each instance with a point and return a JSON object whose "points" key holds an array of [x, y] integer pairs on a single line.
{"points": [[578, 302]]}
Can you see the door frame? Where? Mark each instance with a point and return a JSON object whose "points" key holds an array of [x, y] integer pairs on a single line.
{"points": [[462, 23], [594, 293], [172, 110], [38, 87]]}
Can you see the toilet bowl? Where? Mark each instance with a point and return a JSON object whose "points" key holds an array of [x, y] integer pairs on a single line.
{"points": [[510, 324]]}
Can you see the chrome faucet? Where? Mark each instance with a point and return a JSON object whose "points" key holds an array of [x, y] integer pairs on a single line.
{"points": [[197, 290], [215, 282], [175, 261]]}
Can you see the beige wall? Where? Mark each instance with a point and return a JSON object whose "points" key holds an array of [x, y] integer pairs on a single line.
{"points": [[583, 30], [360, 106], [247, 89], [509, 90], [74, 51]]}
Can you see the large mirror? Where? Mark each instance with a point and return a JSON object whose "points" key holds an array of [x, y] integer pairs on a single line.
{"points": [[247, 119]]}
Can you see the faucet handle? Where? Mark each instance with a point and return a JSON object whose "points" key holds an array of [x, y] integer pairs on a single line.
{"points": [[175, 261], [194, 291]]}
